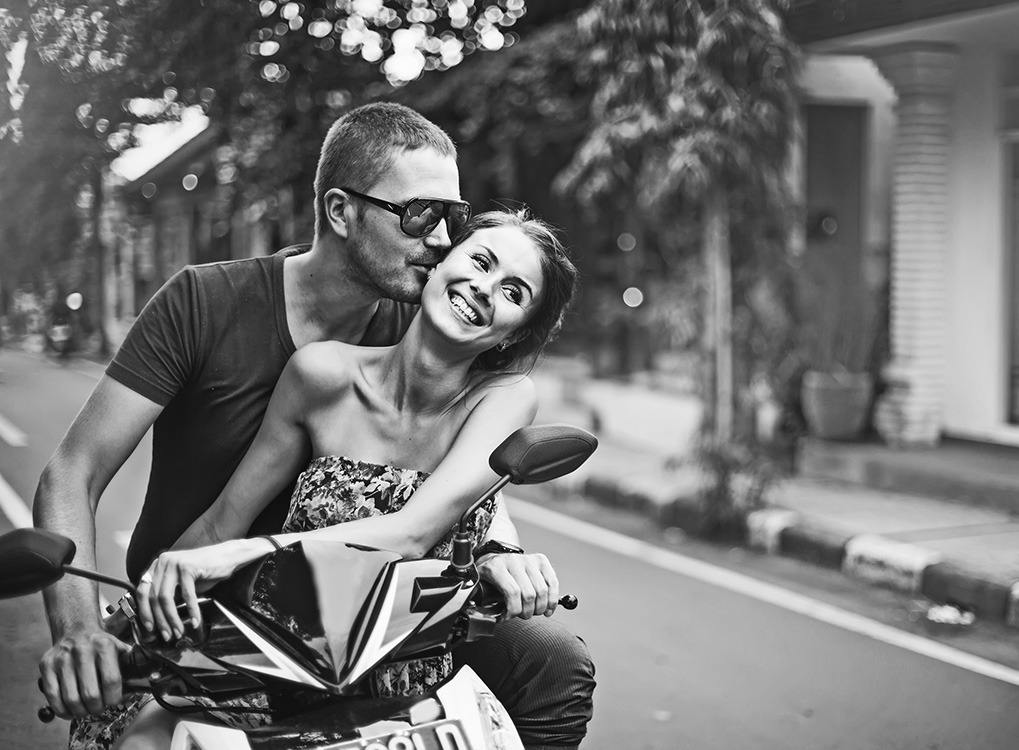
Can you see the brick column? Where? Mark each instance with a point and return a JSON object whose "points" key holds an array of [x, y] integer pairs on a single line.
{"points": [[910, 413]]}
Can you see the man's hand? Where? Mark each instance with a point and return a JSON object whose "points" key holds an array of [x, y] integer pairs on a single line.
{"points": [[80, 674], [527, 582]]}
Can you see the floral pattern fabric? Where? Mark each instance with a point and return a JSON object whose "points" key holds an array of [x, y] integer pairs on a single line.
{"points": [[336, 489], [332, 490]]}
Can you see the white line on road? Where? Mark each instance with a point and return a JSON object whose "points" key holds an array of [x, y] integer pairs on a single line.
{"points": [[755, 589], [13, 506], [11, 434], [122, 538], [20, 516]]}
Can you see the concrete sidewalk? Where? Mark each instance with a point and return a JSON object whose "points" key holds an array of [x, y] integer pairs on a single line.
{"points": [[955, 553]]}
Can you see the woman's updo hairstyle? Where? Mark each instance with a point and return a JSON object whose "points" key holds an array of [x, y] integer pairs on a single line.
{"points": [[559, 277]]}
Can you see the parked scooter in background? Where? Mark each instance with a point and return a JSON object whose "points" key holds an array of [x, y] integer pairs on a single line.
{"points": [[60, 331], [287, 625]]}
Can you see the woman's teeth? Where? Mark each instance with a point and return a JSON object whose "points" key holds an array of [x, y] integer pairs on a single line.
{"points": [[465, 310]]}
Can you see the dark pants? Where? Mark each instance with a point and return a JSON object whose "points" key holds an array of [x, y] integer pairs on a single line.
{"points": [[542, 673]]}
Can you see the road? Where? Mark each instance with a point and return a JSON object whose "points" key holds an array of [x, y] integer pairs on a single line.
{"points": [[694, 647]]}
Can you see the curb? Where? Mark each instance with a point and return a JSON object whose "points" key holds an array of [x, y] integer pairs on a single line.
{"points": [[872, 558]]}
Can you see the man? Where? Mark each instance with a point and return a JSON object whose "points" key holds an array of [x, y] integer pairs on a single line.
{"points": [[200, 364]]}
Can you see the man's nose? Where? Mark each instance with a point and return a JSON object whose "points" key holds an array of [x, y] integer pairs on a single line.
{"points": [[439, 239]]}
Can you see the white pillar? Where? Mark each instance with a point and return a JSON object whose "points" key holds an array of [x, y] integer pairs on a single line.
{"points": [[911, 411]]}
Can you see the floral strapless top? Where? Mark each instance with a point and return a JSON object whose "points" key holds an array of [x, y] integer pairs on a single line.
{"points": [[336, 489]]}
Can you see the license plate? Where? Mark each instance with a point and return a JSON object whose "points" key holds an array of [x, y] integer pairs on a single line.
{"points": [[447, 734]]}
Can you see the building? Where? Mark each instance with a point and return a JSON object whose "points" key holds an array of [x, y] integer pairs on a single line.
{"points": [[180, 207], [910, 151]]}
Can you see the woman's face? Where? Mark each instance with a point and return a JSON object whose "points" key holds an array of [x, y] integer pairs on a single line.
{"points": [[486, 289]]}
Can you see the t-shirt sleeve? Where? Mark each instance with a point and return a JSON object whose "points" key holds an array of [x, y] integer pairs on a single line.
{"points": [[158, 355]]}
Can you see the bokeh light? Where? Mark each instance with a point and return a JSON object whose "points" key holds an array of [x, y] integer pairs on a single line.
{"points": [[633, 297], [626, 242]]}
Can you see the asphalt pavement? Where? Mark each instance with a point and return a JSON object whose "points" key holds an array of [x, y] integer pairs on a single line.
{"points": [[696, 645]]}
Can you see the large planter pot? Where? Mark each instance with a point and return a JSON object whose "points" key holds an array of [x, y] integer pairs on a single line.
{"points": [[837, 405]]}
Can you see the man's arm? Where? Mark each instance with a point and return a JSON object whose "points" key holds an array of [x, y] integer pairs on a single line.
{"points": [[80, 674], [528, 581]]}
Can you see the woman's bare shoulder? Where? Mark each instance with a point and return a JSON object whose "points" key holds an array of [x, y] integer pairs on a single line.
{"points": [[501, 386], [325, 366]]}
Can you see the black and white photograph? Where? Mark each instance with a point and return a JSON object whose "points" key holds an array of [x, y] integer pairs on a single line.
{"points": [[509, 374]]}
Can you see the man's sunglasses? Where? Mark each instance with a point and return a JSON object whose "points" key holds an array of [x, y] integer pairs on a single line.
{"points": [[420, 216]]}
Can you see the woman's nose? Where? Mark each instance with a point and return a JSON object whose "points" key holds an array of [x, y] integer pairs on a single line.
{"points": [[481, 289]]}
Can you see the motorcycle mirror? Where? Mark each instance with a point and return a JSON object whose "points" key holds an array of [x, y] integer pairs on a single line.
{"points": [[539, 453], [32, 559]]}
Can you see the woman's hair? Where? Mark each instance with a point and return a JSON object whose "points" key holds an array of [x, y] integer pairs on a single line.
{"points": [[559, 277]]}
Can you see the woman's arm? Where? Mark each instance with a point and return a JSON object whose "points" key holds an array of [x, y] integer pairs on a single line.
{"points": [[280, 449], [459, 480], [433, 509]]}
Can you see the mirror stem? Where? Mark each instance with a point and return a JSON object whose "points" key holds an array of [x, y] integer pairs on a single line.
{"points": [[461, 559], [101, 578], [491, 491]]}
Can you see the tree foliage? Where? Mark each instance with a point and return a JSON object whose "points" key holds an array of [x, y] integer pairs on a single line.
{"points": [[273, 74], [688, 95]]}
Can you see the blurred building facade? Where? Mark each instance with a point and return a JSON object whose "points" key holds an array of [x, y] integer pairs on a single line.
{"points": [[909, 147], [183, 209]]}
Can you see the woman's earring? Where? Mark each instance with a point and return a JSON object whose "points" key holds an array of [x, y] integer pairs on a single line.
{"points": [[501, 346]]}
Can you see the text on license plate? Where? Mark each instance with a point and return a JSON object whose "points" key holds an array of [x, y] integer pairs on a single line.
{"points": [[447, 734]]}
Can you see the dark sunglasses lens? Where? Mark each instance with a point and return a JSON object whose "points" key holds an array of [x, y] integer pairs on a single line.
{"points": [[459, 213], [420, 217]]}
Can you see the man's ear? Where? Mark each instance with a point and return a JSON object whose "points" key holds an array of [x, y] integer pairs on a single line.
{"points": [[336, 204]]}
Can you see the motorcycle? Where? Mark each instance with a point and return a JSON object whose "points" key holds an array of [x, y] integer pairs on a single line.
{"points": [[59, 336], [288, 627]]}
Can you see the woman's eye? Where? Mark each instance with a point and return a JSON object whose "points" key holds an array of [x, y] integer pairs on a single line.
{"points": [[482, 262], [514, 294]]}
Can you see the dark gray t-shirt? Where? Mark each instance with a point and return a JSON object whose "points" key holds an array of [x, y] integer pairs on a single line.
{"points": [[209, 347]]}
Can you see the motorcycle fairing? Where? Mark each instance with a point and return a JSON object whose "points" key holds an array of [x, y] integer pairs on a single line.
{"points": [[324, 614], [463, 698]]}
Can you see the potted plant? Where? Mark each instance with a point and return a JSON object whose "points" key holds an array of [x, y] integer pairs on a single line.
{"points": [[837, 390]]}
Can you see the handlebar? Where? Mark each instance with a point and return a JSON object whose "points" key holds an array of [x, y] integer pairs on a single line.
{"points": [[489, 598]]}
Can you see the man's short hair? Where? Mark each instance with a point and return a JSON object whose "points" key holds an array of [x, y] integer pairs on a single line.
{"points": [[361, 145]]}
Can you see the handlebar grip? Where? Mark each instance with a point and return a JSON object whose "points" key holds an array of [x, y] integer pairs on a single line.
{"points": [[135, 664], [135, 668], [490, 596]]}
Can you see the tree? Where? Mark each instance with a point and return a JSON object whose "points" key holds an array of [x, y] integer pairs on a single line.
{"points": [[273, 74], [691, 110]]}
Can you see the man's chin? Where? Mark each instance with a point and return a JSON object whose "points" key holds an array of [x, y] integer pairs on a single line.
{"points": [[409, 293]]}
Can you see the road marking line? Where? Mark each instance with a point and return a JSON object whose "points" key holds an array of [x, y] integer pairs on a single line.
{"points": [[13, 506], [755, 589], [11, 434], [20, 516]]}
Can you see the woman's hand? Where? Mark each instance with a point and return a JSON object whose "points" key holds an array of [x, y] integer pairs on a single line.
{"points": [[191, 571]]}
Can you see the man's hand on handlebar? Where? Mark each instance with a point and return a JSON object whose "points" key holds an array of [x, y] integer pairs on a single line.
{"points": [[80, 674], [527, 582]]}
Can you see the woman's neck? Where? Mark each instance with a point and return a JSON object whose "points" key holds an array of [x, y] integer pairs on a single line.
{"points": [[420, 376]]}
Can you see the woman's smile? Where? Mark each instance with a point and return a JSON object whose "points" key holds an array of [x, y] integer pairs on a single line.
{"points": [[464, 309]]}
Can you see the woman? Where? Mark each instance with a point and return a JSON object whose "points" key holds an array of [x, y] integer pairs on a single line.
{"points": [[399, 436]]}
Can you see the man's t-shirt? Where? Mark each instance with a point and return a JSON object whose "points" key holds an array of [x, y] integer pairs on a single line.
{"points": [[209, 347]]}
